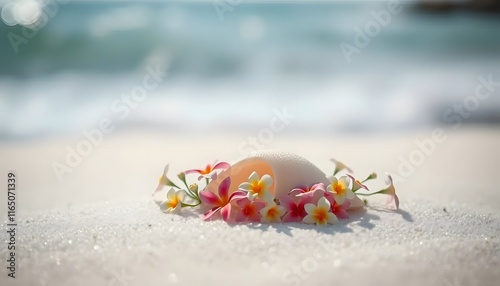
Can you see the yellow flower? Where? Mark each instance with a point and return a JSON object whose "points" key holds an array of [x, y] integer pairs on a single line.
{"points": [[272, 213], [320, 214], [339, 166], [173, 203], [340, 189], [164, 181], [258, 187]]}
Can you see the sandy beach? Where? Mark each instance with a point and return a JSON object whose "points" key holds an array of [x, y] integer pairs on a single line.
{"points": [[99, 226]]}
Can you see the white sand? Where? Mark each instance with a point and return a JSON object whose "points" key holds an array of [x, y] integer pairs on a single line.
{"points": [[99, 223]]}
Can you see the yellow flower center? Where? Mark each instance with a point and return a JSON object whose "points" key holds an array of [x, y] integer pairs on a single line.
{"points": [[208, 170], [339, 188], [248, 210], [321, 215], [272, 213], [257, 187], [173, 203], [162, 180]]}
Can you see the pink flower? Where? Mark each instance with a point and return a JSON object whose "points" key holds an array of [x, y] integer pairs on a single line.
{"points": [[208, 172], [305, 191], [249, 210], [222, 202], [357, 184], [340, 211], [391, 191], [294, 207]]}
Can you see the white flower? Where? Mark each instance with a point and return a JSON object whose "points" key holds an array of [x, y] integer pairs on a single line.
{"points": [[340, 189], [258, 187], [339, 166], [173, 203], [320, 214], [272, 213]]}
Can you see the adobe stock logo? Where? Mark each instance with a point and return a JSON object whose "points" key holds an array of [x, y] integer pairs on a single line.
{"points": [[223, 6], [265, 136], [122, 108], [49, 9], [372, 29], [454, 114]]}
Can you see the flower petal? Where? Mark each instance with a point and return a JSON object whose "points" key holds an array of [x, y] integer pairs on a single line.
{"points": [[226, 212], [281, 211], [356, 185], [209, 198], [309, 208], [308, 219], [159, 188], [332, 179], [267, 196], [240, 217], [164, 206], [212, 176], [181, 194], [245, 186], [171, 194], [254, 177], [255, 217], [258, 205], [346, 181], [288, 203], [341, 214], [332, 219], [341, 166], [238, 195], [222, 165], [177, 209], [198, 171], [291, 217], [296, 192], [318, 186], [324, 203], [224, 188], [210, 213], [349, 195], [390, 181], [339, 198], [242, 203], [267, 180]]}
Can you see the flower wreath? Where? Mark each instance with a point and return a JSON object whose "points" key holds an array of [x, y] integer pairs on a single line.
{"points": [[253, 201]]}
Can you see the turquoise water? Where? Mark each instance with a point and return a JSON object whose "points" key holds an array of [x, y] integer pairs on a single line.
{"points": [[232, 73]]}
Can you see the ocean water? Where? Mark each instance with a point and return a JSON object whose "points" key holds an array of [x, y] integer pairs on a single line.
{"points": [[237, 72]]}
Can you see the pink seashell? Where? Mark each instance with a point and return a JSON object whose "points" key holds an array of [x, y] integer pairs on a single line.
{"points": [[287, 170]]}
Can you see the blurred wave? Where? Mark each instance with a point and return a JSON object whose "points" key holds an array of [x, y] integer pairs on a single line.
{"points": [[231, 74]]}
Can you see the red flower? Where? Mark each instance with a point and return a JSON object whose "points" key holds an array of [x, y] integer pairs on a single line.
{"points": [[222, 202], [208, 172]]}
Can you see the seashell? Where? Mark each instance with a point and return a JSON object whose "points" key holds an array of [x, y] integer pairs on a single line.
{"points": [[287, 170]]}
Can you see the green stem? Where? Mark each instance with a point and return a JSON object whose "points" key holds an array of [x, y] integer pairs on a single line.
{"points": [[189, 193], [188, 205], [371, 194], [172, 184], [370, 177]]}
